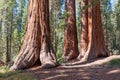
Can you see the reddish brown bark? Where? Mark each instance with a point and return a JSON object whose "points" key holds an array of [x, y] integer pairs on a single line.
{"points": [[70, 34], [96, 45], [84, 28], [30, 49], [47, 55], [37, 38]]}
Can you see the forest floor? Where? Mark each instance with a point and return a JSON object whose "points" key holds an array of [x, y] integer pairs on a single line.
{"points": [[94, 70]]}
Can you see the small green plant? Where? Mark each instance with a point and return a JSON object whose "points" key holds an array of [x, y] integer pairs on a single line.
{"points": [[18, 76], [59, 57], [5, 74], [114, 62], [4, 69], [8, 74]]}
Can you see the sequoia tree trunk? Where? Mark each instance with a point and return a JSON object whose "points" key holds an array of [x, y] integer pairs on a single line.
{"points": [[84, 28], [70, 33], [30, 49], [95, 46], [37, 38], [47, 55]]}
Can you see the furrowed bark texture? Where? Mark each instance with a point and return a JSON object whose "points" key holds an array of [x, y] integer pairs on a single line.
{"points": [[84, 28], [30, 49], [36, 43], [95, 44], [70, 34], [47, 55]]}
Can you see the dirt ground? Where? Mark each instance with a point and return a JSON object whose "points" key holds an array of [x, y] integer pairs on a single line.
{"points": [[95, 70]]}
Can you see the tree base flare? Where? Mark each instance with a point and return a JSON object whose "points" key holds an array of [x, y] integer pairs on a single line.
{"points": [[69, 57], [49, 65]]}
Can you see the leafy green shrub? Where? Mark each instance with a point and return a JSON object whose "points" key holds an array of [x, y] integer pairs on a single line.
{"points": [[4, 69], [114, 62]]}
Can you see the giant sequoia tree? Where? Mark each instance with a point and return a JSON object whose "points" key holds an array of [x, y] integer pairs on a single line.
{"points": [[70, 34], [92, 38], [37, 44]]}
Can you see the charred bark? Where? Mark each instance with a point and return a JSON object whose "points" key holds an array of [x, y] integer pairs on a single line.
{"points": [[70, 33]]}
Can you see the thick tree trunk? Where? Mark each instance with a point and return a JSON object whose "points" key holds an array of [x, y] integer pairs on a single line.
{"points": [[70, 34], [96, 45], [37, 38], [84, 28], [30, 49], [47, 55]]}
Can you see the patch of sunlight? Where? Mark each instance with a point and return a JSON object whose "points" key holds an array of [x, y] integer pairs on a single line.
{"points": [[4, 69], [17, 76], [86, 78], [56, 76], [5, 74], [113, 71]]}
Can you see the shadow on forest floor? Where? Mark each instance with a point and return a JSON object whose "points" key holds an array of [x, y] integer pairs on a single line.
{"points": [[96, 70], [78, 73]]}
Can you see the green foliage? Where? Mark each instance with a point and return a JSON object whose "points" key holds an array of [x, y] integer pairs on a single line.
{"points": [[8, 74], [78, 22], [4, 69], [114, 62], [110, 22], [16, 75], [5, 74], [10, 20], [21, 76], [6, 12], [57, 23]]}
